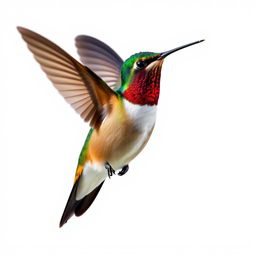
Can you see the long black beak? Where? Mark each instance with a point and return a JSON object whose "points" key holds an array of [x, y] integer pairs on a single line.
{"points": [[164, 54]]}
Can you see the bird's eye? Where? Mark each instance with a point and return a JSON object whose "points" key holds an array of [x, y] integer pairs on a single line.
{"points": [[140, 64]]}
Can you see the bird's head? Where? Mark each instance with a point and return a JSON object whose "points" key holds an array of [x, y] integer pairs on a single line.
{"points": [[141, 76]]}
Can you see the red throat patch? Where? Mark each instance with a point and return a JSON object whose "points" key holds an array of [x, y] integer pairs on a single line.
{"points": [[145, 88]]}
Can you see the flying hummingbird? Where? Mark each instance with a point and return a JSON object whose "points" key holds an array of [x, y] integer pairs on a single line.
{"points": [[118, 99]]}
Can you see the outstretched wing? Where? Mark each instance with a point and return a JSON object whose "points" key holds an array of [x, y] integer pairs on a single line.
{"points": [[100, 58], [87, 93]]}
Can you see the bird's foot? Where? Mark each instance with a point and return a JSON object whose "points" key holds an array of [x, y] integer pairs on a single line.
{"points": [[124, 170], [110, 170]]}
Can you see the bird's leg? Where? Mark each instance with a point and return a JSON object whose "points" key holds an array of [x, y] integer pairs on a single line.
{"points": [[110, 170], [124, 170]]}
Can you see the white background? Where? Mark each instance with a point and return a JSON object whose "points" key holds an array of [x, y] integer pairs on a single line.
{"points": [[192, 190]]}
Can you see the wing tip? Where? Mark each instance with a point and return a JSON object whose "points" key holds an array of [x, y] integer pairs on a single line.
{"points": [[23, 30], [80, 37], [20, 29]]}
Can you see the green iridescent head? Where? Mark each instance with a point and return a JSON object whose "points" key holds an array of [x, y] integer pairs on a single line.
{"points": [[132, 66], [140, 75]]}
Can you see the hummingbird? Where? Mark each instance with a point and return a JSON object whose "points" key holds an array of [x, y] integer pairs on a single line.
{"points": [[118, 98]]}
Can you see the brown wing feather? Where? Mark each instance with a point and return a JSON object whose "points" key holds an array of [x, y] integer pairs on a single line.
{"points": [[87, 93]]}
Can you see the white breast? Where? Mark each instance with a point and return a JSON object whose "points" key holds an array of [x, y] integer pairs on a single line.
{"points": [[143, 118]]}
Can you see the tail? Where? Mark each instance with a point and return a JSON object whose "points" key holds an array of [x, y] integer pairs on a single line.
{"points": [[78, 207]]}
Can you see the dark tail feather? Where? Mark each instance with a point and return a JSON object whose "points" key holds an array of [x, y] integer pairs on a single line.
{"points": [[70, 206], [80, 206], [86, 202]]}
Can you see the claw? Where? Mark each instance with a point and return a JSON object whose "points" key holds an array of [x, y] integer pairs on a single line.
{"points": [[124, 170], [110, 170]]}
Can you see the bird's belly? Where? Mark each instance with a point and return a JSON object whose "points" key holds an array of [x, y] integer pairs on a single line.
{"points": [[118, 142], [126, 154]]}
